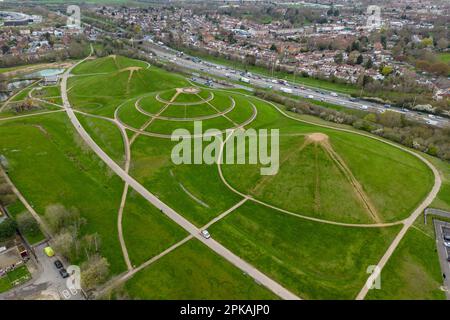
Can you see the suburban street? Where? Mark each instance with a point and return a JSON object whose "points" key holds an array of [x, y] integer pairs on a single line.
{"points": [[215, 69]]}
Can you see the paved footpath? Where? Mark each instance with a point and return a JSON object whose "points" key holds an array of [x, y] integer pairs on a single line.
{"points": [[176, 217]]}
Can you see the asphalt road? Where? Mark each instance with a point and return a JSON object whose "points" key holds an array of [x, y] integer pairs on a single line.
{"points": [[172, 214], [443, 253], [295, 89]]}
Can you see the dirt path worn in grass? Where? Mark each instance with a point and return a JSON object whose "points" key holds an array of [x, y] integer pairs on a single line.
{"points": [[323, 140]]}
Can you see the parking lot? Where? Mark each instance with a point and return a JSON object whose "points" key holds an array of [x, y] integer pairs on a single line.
{"points": [[47, 283]]}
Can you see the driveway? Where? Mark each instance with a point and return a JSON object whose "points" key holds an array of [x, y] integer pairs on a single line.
{"points": [[443, 252], [47, 283]]}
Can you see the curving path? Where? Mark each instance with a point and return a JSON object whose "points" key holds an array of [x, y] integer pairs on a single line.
{"points": [[206, 117], [407, 223], [169, 212], [217, 247]]}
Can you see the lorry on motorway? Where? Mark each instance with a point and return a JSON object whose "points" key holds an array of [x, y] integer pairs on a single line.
{"points": [[245, 80], [286, 90]]}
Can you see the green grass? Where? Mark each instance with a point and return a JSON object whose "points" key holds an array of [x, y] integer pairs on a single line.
{"points": [[153, 167], [10, 110], [313, 260], [312, 188], [5, 285], [442, 201], [23, 94], [106, 135], [147, 231], [413, 272], [130, 116], [14, 278], [50, 164], [17, 208], [102, 94], [193, 271], [394, 181], [19, 275], [445, 57]]}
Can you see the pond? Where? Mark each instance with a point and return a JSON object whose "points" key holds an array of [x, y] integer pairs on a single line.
{"points": [[46, 73]]}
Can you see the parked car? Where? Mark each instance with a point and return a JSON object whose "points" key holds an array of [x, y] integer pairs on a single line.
{"points": [[206, 234], [58, 264], [63, 273]]}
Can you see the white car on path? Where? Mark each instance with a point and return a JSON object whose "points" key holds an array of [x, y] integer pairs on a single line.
{"points": [[206, 234]]}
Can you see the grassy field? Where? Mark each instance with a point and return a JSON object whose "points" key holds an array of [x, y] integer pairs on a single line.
{"points": [[118, 79], [445, 57], [17, 208], [39, 106], [180, 186], [332, 179], [383, 171], [413, 272], [192, 271], [14, 278], [147, 231], [106, 135], [442, 201]]}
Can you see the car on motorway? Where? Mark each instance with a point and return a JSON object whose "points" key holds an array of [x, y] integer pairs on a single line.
{"points": [[286, 90], [387, 106], [310, 96], [205, 234], [333, 94], [58, 264], [63, 273], [364, 107], [353, 99]]}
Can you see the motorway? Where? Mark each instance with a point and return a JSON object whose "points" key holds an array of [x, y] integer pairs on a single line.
{"points": [[248, 269], [257, 80]]}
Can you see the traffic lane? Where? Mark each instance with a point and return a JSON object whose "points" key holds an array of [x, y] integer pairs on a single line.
{"points": [[443, 253]]}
